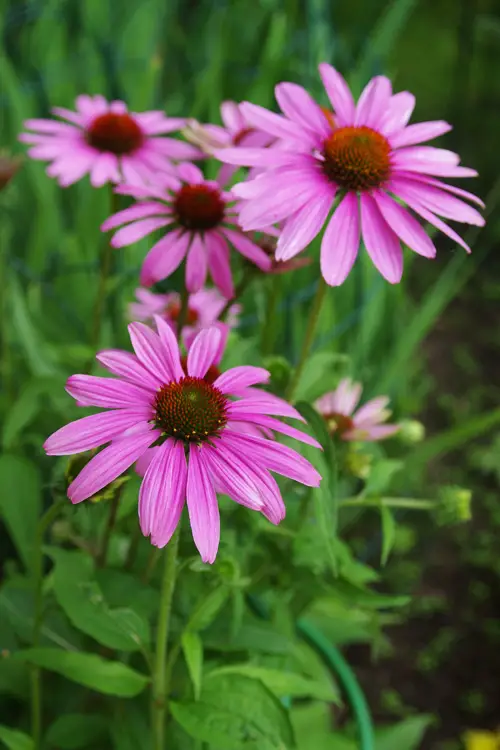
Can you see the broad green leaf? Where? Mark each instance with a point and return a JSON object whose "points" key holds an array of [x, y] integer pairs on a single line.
{"points": [[109, 677], [236, 713], [380, 476], [82, 601], [122, 589], [74, 731], [318, 375], [20, 414], [282, 684], [388, 532], [408, 734], [14, 677], [15, 740], [192, 648], [312, 725], [130, 729], [207, 610], [20, 502], [253, 635]]}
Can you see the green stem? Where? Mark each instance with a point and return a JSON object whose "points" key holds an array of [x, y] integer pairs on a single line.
{"points": [[183, 314], [160, 681], [36, 681], [104, 272], [389, 502], [269, 327], [309, 336], [110, 524], [133, 548], [248, 277]]}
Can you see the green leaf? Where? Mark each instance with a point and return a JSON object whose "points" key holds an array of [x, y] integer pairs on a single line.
{"points": [[207, 610], [381, 475], [326, 495], [20, 502], [109, 677], [14, 677], [388, 532], [73, 731], [80, 597], [253, 635], [15, 740], [122, 589], [408, 734], [312, 725], [192, 648], [236, 713], [282, 684]]}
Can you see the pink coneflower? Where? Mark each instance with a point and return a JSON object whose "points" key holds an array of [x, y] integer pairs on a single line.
{"points": [[201, 220], [337, 408], [106, 141], [153, 401], [364, 156], [203, 311]]}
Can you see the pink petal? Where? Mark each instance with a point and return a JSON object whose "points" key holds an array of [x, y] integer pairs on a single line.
{"points": [[404, 225], [171, 347], [439, 202], [255, 157], [422, 131], [109, 464], [274, 424], [269, 122], [86, 105], [373, 411], [150, 351], [262, 405], [282, 202], [381, 243], [339, 94], [429, 216], [340, 243], [241, 377], [231, 116], [373, 102], [202, 506], [196, 265], [109, 393], [137, 231], [273, 456], [164, 257], [174, 149], [91, 432], [443, 186], [347, 396], [299, 106], [137, 211], [104, 169], [71, 169], [371, 434], [67, 114], [163, 492], [127, 366], [51, 126], [248, 249], [218, 263], [231, 476], [302, 227], [203, 352], [190, 173], [398, 112]]}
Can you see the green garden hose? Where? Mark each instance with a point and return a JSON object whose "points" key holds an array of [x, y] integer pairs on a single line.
{"points": [[339, 665]]}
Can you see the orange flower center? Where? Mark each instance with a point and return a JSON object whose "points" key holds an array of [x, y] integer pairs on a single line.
{"points": [[357, 158], [329, 116], [173, 311], [192, 410], [117, 134], [199, 207], [338, 424], [211, 375]]}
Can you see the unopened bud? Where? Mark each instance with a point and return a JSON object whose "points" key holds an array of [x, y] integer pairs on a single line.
{"points": [[358, 464], [411, 431], [453, 506]]}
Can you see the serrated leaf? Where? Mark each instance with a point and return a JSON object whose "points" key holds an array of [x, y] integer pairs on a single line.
{"points": [[192, 648], [20, 502], [15, 740], [283, 684], [82, 601], [109, 677], [388, 532], [74, 731]]}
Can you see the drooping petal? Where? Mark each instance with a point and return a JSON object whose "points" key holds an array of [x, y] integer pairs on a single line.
{"points": [[248, 249], [263, 405], [93, 431], [373, 411], [202, 506], [381, 243], [404, 225], [127, 366], [231, 476], [439, 202], [371, 433], [274, 424], [239, 377], [110, 463], [109, 393], [138, 230], [164, 257], [163, 492], [196, 265], [340, 243], [302, 227], [104, 169], [203, 352], [219, 264]]}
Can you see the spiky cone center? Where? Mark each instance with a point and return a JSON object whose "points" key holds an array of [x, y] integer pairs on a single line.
{"points": [[338, 424], [118, 134], [199, 207], [357, 158], [192, 410], [173, 312]]}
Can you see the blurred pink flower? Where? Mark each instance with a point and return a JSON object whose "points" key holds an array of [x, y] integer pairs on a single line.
{"points": [[200, 221], [198, 453], [364, 157], [204, 308], [107, 141], [365, 424]]}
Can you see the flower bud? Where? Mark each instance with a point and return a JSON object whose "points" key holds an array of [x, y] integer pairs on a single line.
{"points": [[453, 506], [78, 462], [411, 431]]}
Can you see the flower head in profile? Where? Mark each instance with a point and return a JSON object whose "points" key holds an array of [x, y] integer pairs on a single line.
{"points": [[153, 401], [106, 141], [200, 220], [366, 424], [364, 161], [203, 310]]}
